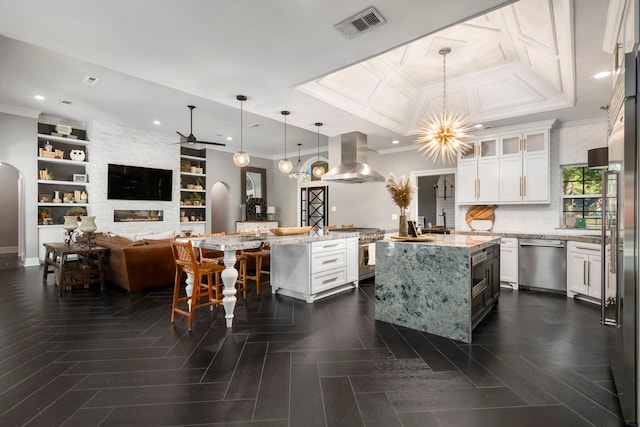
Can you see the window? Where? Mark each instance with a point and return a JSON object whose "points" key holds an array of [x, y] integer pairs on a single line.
{"points": [[582, 197]]}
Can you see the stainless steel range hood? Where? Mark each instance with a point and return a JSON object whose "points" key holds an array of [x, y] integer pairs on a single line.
{"points": [[353, 167]]}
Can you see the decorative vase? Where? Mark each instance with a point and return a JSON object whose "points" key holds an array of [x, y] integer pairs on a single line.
{"points": [[70, 223], [56, 197], [88, 224], [403, 226], [77, 155]]}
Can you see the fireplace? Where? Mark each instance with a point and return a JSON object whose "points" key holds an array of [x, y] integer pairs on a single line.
{"points": [[137, 215]]}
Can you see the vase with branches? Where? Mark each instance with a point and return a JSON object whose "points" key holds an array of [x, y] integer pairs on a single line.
{"points": [[402, 191]]}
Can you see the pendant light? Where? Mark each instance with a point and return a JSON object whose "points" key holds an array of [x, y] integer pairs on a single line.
{"points": [[442, 137], [285, 164], [299, 171], [318, 169], [241, 158]]}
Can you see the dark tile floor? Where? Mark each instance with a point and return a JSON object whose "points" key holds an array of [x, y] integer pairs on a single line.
{"points": [[112, 359]]}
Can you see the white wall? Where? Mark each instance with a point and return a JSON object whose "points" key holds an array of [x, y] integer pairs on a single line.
{"points": [[18, 147], [112, 143], [369, 205]]}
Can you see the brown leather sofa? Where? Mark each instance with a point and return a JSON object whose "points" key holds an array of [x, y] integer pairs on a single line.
{"points": [[137, 265]]}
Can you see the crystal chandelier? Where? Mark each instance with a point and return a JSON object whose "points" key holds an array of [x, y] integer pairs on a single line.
{"points": [[318, 169], [442, 137], [241, 158], [285, 165], [299, 171]]}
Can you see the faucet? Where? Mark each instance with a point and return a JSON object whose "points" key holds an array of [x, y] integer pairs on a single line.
{"points": [[444, 219]]}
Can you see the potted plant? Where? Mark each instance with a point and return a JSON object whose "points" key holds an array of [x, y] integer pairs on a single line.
{"points": [[198, 184], [402, 191], [196, 199]]}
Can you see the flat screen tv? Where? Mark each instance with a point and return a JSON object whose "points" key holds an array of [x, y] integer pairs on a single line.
{"points": [[138, 183]]}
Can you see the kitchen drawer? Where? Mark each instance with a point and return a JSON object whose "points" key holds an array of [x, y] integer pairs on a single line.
{"points": [[324, 261], [327, 280], [329, 245]]}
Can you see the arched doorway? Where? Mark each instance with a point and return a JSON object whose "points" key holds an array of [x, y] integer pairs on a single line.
{"points": [[10, 216], [221, 209]]}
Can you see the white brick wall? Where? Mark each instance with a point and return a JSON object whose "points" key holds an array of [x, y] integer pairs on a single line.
{"points": [[111, 143]]}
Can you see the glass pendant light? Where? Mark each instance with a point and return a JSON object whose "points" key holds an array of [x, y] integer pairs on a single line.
{"points": [[299, 171], [318, 169], [285, 164], [442, 137], [241, 158]]}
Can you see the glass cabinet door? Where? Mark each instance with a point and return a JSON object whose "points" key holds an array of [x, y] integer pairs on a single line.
{"points": [[535, 142], [488, 147], [511, 145], [469, 153]]}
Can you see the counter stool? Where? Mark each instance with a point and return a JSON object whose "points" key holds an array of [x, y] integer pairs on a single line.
{"points": [[259, 255], [186, 262]]}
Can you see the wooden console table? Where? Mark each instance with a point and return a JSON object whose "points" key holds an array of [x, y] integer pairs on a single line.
{"points": [[87, 269]]}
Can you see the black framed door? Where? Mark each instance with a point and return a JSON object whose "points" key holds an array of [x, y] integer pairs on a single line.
{"points": [[314, 206]]}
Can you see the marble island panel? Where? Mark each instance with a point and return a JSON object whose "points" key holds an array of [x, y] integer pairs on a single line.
{"points": [[426, 286]]}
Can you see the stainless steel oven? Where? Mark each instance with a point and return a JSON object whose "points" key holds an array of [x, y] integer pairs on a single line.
{"points": [[364, 269], [366, 237]]}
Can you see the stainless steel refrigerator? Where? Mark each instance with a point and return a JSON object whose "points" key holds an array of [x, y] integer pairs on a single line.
{"points": [[620, 238]]}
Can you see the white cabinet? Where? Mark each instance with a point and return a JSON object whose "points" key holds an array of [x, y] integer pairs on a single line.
{"points": [[584, 263], [509, 261], [510, 166], [478, 173], [314, 270], [193, 190], [262, 226], [524, 167], [352, 259]]}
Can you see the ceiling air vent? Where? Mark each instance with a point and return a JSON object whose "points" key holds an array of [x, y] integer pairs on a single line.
{"points": [[90, 80], [361, 22], [65, 102]]}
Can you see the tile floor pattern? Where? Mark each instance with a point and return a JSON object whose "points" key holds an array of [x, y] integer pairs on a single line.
{"points": [[114, 359]]}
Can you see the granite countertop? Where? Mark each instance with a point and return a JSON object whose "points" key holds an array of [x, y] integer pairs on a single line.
{"points": [[235, 242], [472, 243], [550, 235]]}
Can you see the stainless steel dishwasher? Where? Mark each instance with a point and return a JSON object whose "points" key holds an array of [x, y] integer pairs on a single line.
{"points": [[542, 265]]}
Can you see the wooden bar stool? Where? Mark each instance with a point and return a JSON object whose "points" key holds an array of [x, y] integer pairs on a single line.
{"points": [[259, 256], [186, 262], [217, 257]]}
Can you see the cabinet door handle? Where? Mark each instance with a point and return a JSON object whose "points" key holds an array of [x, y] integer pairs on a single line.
{"points": [[333, 279], [475, 189], [520, 187], [524, 186], [524, 144], [478, 188], [584, 272], [329, 246], [329, 261], [589, 273]]}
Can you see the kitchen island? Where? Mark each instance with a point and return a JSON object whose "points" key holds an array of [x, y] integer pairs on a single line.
{"points": [[444, 287], [231, 243]]}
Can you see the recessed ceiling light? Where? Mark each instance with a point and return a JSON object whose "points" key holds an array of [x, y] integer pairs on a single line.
{"points": [[602, 74], [156, 122], [39, 97], [229, 138], [395, 141], [478, 125]]}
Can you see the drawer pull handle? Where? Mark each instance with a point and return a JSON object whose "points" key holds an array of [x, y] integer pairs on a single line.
{"points": [[329, 246], [329, 261], [333, 279]]}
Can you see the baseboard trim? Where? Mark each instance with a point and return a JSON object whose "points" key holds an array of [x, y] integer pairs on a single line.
{"points": [[8, 249], [32, 262]]}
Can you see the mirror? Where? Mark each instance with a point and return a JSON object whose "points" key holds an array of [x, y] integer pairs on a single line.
{"points": [[253, 183]]}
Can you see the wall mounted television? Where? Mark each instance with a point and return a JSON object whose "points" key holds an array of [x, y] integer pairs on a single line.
{"points": [[138, 183]]}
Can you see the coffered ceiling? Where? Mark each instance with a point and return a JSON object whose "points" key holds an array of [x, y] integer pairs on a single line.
{"points": [[514, 61]]}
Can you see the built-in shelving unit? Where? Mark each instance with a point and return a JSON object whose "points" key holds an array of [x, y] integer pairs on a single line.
{"points": [[193, 184], [63, 183]]}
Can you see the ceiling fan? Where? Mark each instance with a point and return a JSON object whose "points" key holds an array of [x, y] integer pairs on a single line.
{"points": [[191, 139]]}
